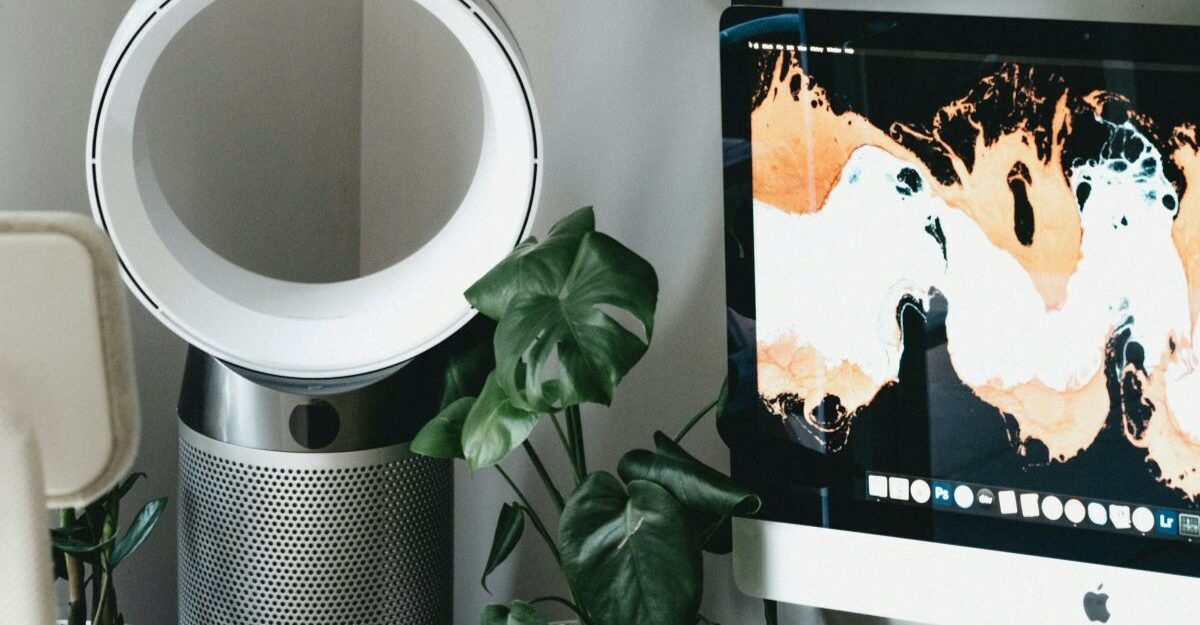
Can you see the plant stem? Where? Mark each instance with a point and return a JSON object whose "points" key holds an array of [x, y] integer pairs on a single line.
{"points": [[696, 419], [106, 603], [107, 615], [96, 591], [97, 515], [533, 515], [712, 530], [575, 434], [555, 495], [770, 612], [103, 613], [567, 447], [76, 584]]}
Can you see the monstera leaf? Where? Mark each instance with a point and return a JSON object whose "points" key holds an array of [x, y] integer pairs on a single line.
{"points": [[594, 351], [630, 553], [710, 497], [515, 613], [557, 302], [533, 267], [442, 437], [494, 427], [468, 362]]}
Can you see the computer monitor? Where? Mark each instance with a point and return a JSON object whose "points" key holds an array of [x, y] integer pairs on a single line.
{"points": [[963, 271]]}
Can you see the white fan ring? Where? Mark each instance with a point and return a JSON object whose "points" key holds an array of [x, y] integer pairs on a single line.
{"points": [[311, 331]]}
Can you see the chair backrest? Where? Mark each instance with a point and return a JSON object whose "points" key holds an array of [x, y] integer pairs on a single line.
{"points": [[25, 571], [69, 419]]}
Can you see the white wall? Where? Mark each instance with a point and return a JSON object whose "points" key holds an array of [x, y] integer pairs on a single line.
{"points": [[251, 118], [630, 101], [50, 53], [421, 130]]}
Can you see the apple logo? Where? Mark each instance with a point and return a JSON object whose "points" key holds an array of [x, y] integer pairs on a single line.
{"points": [[1095, 605]]}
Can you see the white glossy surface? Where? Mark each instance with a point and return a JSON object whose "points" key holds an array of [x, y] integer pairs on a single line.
{"points": [[943, 584], [287, 328]]}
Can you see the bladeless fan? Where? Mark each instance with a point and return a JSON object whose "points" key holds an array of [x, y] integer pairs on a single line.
{"points": [[299, 502]]}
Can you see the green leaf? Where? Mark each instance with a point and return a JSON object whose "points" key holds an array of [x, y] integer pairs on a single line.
{"points": [[468, 361], [76, 546], [509, 528], [442, 436], [594, 351], [138, 531], [515, 613], [60, 563], [723, 398], [630, 556], [709, 495], [124, 488], [695, 484], [532, 267], [494, 427]]}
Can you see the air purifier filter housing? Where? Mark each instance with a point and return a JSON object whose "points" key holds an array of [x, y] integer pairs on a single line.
{"points": [[308, 508], [299, 502]]}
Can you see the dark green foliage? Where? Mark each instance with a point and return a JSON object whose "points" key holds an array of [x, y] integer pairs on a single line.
{"points": [[574, 314]]}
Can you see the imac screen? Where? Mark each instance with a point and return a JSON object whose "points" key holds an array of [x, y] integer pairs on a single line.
{"points": [[964, 280]]}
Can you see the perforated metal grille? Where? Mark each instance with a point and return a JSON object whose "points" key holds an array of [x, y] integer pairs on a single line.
{"points": [[349, 546]]}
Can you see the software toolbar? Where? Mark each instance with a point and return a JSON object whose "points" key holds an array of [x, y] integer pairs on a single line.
{"points": [[1050, 508]]}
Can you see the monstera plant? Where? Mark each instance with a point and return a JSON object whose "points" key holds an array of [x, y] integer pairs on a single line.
{"points": [[573, 314]]}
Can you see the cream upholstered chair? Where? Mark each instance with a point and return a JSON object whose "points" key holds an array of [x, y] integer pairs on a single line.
{"points": [[69, 418]]}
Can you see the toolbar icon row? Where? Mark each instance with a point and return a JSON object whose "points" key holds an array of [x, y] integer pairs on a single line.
{"points": [[1034, 506]]}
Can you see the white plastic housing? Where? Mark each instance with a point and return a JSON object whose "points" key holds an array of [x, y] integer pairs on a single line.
{"points": [[312, 331], [944, 584]]}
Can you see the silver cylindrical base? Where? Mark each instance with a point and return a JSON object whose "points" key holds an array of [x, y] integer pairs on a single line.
{"points": [[300, 504], [351, 538]]}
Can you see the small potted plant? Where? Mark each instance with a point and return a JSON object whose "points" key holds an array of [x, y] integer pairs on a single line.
{"points": [[88, 547], [573, 314]]}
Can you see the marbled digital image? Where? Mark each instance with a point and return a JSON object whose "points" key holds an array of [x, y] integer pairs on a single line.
{"points": [[1058, 226]]}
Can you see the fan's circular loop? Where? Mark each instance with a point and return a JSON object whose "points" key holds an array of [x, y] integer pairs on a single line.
{"points": [[311, 331]]}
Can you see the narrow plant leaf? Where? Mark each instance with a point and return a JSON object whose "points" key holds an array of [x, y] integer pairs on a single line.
{"points": [[515, 613], [127, 485], [442, 436], [75, 546], [630, 553], [60, 563], [723, 398], [532, 267], [710, 496], [509, 528], [770, 612], [139, 530], [575, 328], [494, 427], [77, 541]]}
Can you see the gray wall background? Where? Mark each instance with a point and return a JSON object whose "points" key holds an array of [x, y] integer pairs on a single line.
{"points": [[251, 118], [629, 97]]}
